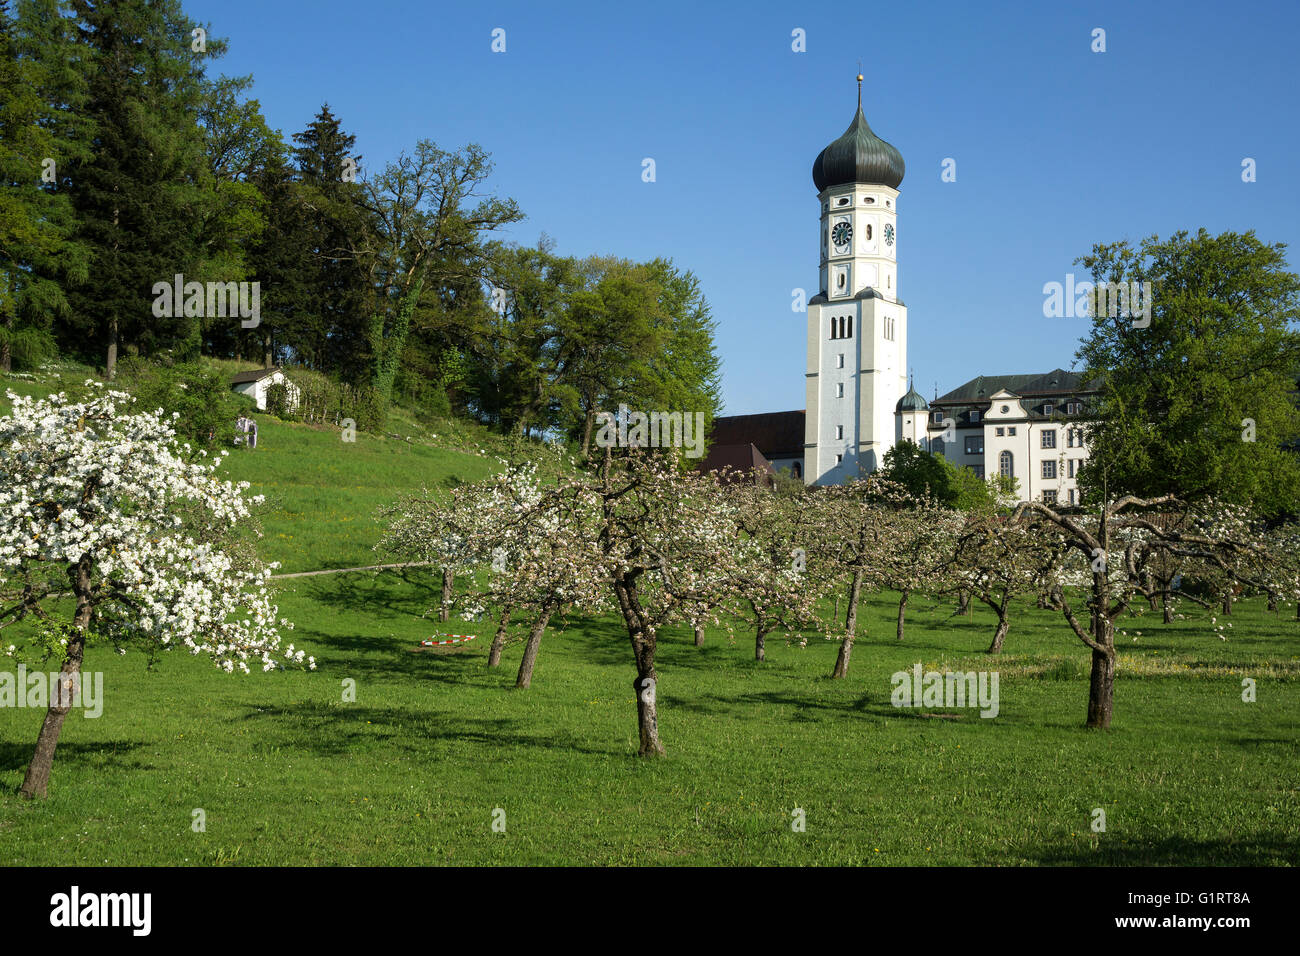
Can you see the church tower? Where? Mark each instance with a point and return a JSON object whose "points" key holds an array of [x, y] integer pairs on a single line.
{"points": [[857, 325]]}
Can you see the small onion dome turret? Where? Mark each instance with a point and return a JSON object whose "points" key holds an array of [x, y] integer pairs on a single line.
{"points": [[913, 401]]}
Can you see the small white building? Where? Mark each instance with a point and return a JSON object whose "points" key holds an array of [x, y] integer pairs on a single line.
{"points": [[255, 383]]}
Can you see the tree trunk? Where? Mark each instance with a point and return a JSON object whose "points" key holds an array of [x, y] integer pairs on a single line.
{"points": [[963, 603], [448, 586], [1272, 602], [902, 611], [850, 627], [646, 688], [1101, 689], [110, 362], [499, 641], [699, 636], [270, 352], [1227, 603], [1004, 623], [587, 424], [1168, 611], [760, 644], [525, 677], [36, 782], [644, 641]]}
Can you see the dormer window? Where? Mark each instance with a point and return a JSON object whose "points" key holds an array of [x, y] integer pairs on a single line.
{"points": [[974, 416], [936, 418], [1072, 408], [1047, 408]]}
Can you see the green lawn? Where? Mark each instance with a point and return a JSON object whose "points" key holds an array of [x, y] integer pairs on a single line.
{"points": [[287, 773], [411, 772]]}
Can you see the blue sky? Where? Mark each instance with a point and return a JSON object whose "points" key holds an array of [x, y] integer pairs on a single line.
{"points": [[1056, 147]]}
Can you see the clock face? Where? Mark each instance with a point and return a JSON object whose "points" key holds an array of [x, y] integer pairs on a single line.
{"points": [[889, 234], [842, 233]]}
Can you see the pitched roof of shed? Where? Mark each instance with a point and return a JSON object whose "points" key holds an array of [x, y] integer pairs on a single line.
{"points": [[254, 376]]}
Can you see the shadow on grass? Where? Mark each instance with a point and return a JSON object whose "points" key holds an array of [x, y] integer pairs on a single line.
{"points": [[1263, 849], [397, 598], [107, 753], [337, 729]]}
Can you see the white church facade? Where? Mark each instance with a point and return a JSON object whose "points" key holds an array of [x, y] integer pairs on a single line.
{"points": [[858, 399]]}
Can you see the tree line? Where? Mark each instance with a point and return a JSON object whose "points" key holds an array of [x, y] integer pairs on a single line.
{"points": [[127, 163]]}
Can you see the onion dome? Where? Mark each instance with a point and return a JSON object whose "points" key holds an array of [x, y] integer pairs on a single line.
{"points": [[859, 156], [913, 401]]}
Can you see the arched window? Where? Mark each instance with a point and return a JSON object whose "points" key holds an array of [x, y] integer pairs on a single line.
{"points": [[1006, 465], [797, 470], [850, 335]]}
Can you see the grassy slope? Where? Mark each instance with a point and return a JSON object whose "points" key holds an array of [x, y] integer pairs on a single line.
{"points": [[322, 493], [411, 772]]}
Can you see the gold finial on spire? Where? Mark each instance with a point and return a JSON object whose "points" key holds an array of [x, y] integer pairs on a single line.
{"points": [[859, 84]]}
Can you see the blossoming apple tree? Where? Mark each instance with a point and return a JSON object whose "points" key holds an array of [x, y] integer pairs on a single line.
{"points": [[860, 521], [782, 591], [922, 538], [668, 547], [100, 499], [1115, 546], [998, 561], [529, 542]]}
